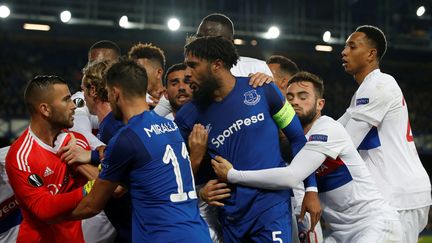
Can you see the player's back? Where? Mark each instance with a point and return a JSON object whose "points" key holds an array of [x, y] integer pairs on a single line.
{"points": [[161, 184], [389, 150]]}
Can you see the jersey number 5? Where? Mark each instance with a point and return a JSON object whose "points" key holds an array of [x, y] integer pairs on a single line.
{"points": [[170, 156]]}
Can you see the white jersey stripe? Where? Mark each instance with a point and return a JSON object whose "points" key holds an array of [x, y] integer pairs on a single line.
{"points": [[27, 154], [20, 152]]}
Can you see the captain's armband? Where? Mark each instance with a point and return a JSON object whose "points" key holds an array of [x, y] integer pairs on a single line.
{"points": [[284, 116]]}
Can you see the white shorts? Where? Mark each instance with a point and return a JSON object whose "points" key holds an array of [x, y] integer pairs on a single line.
{"points": [[210, 215], [413, 222], [98, 229], [377, 231], [10, 235]]}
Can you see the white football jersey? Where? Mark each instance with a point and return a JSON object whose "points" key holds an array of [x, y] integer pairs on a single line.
{"points": [[84, 122], [348, 193], [388, 149]]}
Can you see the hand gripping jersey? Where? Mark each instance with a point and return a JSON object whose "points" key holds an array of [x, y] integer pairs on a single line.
{"points": [[150, 157], [388, 149], [84, 122], [45, 188], [244, 128]]}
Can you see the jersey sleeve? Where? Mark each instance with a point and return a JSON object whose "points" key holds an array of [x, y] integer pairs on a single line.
{"points": [[371, 105], [83, 125], [119, 155], [163, 108], [327, 139], [35, 197], [286, 119]]}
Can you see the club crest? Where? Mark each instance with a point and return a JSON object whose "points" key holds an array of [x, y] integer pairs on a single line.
{"points": [[251, 97]]}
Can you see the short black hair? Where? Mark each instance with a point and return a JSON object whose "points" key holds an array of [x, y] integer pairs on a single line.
{"points": [[37, 88], [376, 37], [212, 48], [221, 19], [130, 77], [309, 77], [148, 51], [106, 44], [174, 68], [286, 65]]}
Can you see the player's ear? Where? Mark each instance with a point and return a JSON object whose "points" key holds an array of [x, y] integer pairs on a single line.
{"points": [[320, 104], [218, 64], [44, 109], [372, 54]]}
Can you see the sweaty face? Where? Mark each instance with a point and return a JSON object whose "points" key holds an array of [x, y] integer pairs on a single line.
{"points": [[202, 82], [356, 52], [178, 89], [102, 54], [61, 107], [301, 96]]}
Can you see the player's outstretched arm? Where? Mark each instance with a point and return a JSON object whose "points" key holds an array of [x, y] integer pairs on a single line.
{"points": [[279, 178]]}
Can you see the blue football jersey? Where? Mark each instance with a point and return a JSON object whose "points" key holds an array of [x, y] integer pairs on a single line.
{"points": [[243, 130], [108, 127], [150, 157]]}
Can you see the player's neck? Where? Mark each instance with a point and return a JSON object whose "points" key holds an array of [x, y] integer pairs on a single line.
{"points": [[102, 110], [227, 85], [307, 127], [360, 76], [133, 107], [44, 131]]}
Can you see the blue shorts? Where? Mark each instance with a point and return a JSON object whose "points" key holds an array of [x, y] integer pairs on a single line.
{"points": [[272, 225]]}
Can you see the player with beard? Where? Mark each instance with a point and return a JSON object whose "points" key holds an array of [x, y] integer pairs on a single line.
{"points": [[149, 156], [242, 123], [45, 187], [352, 205], [178, 91]]}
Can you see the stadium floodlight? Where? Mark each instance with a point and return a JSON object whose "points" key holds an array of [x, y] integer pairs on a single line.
{"points": [[173, 24], [326, 36], [323, 48], [39, 27], [124, 21], [272, 33], [420, 11], [65, 16], [239, 42], [4, 11]]}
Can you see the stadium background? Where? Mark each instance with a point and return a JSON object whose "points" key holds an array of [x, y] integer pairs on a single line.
{"points": [[63, 49]]}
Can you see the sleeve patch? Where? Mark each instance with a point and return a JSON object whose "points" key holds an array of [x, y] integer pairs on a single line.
{"points": [[284, 116], [362, 101], [318, 137], [35, 180]]}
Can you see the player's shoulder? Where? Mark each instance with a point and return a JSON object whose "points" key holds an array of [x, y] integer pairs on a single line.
{"points": [[327, 126], [250, 60], [188, 110]]}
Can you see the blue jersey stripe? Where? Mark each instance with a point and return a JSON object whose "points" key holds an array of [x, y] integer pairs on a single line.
{"points": [[337, 178], [371, 140]]}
